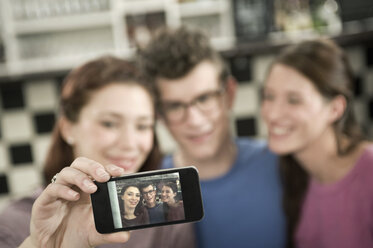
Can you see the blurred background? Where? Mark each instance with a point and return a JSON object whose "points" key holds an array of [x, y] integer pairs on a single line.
{"points": [[41, 40]]}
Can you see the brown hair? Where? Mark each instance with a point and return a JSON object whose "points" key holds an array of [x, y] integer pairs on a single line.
{"points": [[173, 53], [77, 89], [327, 67], [139, 209]]}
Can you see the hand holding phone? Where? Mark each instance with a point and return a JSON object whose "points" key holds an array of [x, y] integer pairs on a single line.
{"points": [[147, 199]]}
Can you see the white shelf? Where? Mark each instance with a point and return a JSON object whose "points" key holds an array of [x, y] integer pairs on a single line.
{"points": [[40, 65], [62, 42], [142, 6], [3, 69], [63, 23], [200, 8], [223, 43]]}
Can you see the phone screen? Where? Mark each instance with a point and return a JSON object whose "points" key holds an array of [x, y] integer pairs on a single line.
{"points": [[147, 199]]}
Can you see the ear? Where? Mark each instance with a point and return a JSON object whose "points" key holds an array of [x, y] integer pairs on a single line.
{"points": [[66, 128], [231, 88], [337, 108]]}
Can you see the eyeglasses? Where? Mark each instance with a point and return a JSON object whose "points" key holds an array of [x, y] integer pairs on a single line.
{"points": [[148, 192], [206, 102]]}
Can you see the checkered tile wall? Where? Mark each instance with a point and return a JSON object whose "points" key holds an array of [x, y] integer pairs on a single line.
{"points": [[28, 111]]}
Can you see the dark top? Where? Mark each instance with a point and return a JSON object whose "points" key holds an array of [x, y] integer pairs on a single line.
{"points": [[156, 213], [176, 212], [141, 219]]}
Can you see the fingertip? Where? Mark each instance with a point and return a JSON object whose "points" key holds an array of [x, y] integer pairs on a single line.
{"points": [[125, 236], [115, 170], [73, 194], [118, 237], [102, 174], [89, 186]]}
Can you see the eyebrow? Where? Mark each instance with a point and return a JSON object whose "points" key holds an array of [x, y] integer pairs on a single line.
{"points": [[293, 92], [288, 92], [208, 91], [118, 116]]}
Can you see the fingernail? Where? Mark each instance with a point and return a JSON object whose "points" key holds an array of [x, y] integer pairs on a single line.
{"points": [[87, 183], [116, 168], [102, 173], [72, 193]]}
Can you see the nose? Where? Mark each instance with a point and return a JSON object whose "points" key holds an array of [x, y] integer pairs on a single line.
{"points": [[271, 111], [126, 138], [194, 116]]}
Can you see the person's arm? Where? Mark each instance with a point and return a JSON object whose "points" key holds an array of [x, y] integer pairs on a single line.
{"points": [[62, 214]]}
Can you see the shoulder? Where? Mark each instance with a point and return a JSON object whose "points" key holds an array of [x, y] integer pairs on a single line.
{"points": [[167, 162], [252, 146], [252, 150], [365, 167], [366, 159], [20, 207], [368, 153], [15, 222], [159, 205]]}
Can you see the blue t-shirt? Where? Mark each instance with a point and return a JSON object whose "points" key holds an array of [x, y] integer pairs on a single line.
{"points": [[156, 213], [243, 207]]}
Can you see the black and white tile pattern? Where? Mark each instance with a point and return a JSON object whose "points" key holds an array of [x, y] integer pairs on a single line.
{"points": [[28, 108]]}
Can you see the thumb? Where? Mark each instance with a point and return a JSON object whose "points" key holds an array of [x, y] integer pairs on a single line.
{"points": [[118, 237]]}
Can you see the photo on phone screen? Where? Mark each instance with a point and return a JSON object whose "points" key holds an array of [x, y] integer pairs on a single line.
{"points": [[147, 199]]}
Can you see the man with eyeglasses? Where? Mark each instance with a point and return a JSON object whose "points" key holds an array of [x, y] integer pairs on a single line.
{"points": [[155, 209], [239, 177]]}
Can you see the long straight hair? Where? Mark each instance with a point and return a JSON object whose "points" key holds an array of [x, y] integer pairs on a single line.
{"points": [[77, 89], [327, 67]]}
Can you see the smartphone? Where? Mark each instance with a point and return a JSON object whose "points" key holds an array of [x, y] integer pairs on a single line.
{"points": [[147, 199]]}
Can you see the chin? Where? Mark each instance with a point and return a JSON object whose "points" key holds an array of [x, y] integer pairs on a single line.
{"points": [[279, 150], [203, 155]]}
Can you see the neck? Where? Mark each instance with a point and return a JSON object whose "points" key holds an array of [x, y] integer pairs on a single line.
{"points": [[130, 214], [172, 203], [150, 204], [211, 167], [322, 161]]}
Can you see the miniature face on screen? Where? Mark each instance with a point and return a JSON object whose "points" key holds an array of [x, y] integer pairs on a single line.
{"points": [[134, 200], [131, 197], [168, 195], [149, 195]]}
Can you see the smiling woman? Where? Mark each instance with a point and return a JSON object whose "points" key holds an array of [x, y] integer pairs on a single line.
{"points": [[103, 105], [174, 208], [133, 212], [122, 119], [105, 128], [326, 166]]}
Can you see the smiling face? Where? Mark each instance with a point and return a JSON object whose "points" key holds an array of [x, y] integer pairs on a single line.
{"points": [[149, 195], [201, 134], [115, 127], [295, 113], [131, 197], [168, 195]]}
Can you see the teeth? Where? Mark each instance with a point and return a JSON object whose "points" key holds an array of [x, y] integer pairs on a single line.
{"points": [[279, 130]]}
